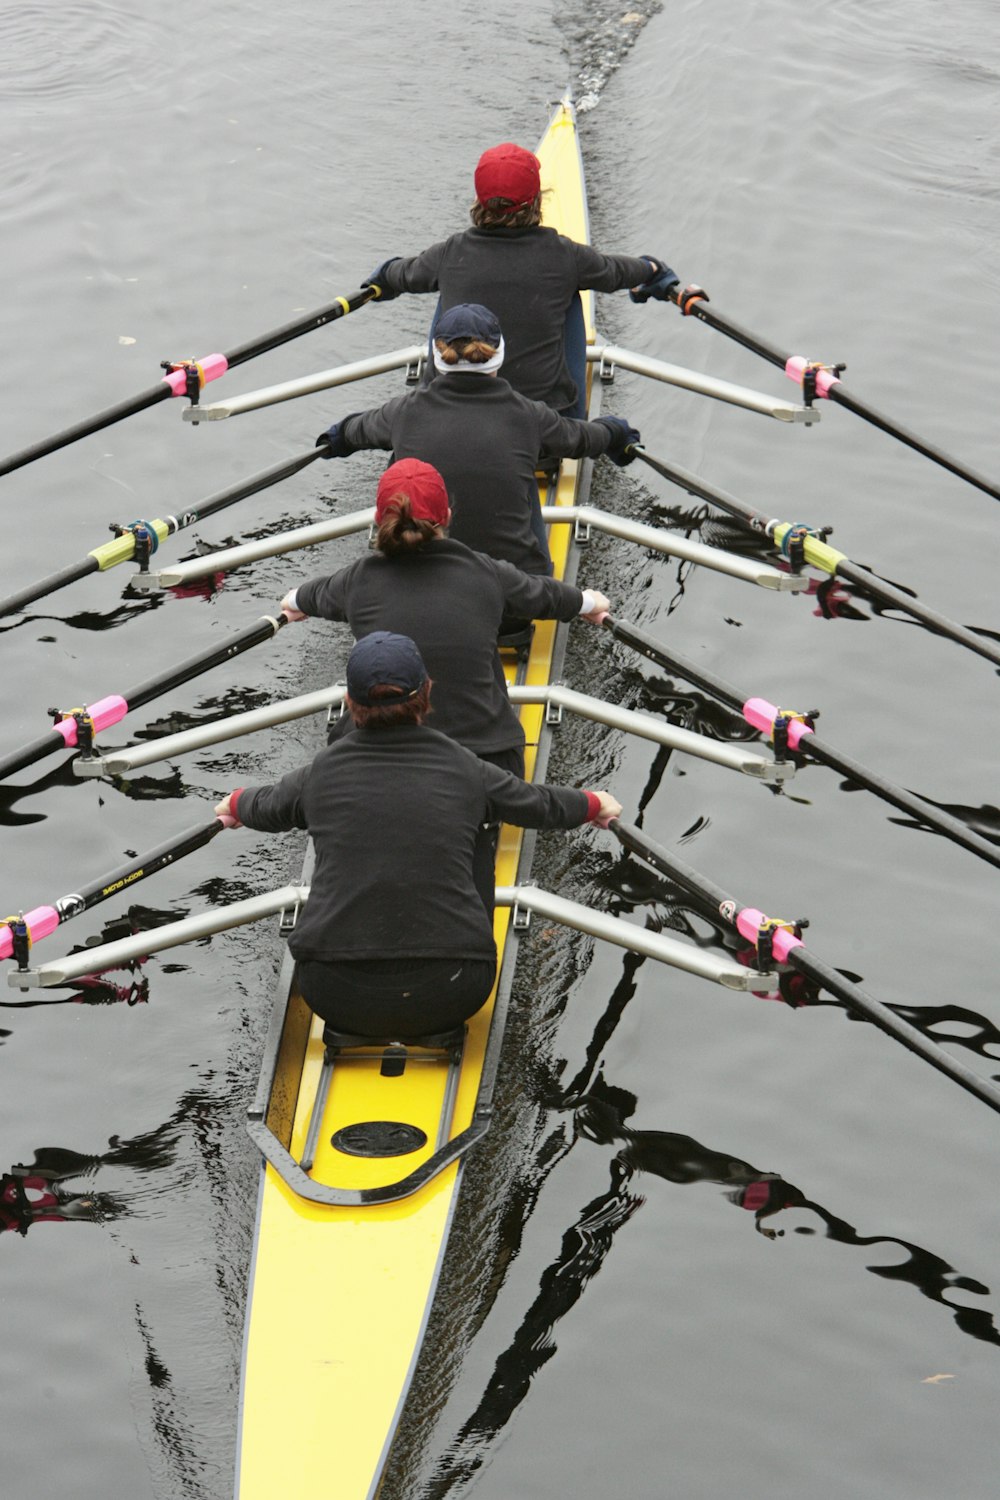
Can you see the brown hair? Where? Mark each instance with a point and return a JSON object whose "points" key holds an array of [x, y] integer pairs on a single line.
{"points": [[391, 710], [476, 351], [499, 213], [399, 531]]}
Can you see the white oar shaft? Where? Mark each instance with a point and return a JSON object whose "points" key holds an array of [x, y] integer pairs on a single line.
{"points": [[607, 356], [131, 757], [667, 542], [646, 726], [637, 939], [288, 390], [113, 955], [272, 546]]}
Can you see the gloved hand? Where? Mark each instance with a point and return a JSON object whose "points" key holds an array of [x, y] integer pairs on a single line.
{"points": [[621, 449], [376, 279], [334, 441], [661, 280]]}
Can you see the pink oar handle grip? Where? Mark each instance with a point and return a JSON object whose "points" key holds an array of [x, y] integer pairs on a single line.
{"points": [[40, 922], [228, 822], [104, 712], [211, 367], [761, 714], [795, 368], [749, 923]]}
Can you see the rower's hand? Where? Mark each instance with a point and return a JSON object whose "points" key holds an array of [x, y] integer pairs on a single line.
{"points": [[610, 808], [602, 608], [222, 810], [289, 609], [659, 284]]}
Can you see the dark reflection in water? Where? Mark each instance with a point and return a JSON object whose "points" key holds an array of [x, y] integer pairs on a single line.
{"points": [[599, 1116]]}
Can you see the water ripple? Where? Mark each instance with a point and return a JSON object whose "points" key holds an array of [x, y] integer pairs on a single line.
{"points": [[100, 50]]}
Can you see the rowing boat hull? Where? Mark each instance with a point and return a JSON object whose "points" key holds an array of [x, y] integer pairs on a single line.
{"points": [[339, 1294]]}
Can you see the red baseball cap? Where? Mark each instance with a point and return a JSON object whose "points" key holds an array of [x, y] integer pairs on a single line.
{"points": [[418, 482], [508, 171]]}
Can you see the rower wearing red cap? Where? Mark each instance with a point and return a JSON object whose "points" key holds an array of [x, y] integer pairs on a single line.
{"points": [[450, 600], [396, 937], [529, 275], [483, 436]]}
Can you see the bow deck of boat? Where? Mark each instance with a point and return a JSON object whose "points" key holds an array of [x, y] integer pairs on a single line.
{"points": [[339, 1294]]}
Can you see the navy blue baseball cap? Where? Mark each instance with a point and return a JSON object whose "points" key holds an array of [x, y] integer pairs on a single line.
{"points": [[384, 660], [469, 320]]}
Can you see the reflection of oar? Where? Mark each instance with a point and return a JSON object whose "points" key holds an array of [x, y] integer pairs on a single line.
{"points": [[793, 731], [807, 545], [76, 728], [140, 539], [778, 940], [186, 378], [18, 933], [824, 381]]}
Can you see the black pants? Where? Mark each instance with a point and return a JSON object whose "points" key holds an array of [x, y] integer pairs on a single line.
{"points": [[396, 997]]}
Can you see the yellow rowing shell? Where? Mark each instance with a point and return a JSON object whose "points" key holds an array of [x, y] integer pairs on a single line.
{"points": [[340, 1292]]}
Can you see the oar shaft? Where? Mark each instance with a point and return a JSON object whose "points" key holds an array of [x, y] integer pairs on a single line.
{"points": [[799, 958], [886, 593], [114, 708], [233, 646], [288, 331], [247, 487], [45, 919], [84, 428], [810, 745], [46, 744], [903, 434], [834, 391], [14, 603], [159, 392]]}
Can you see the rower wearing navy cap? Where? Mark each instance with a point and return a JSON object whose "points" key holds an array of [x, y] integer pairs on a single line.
{"points": [[529, 275], [485, 438], [395, 937]]}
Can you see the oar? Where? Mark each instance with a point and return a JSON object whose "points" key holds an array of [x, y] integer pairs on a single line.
{"points": [[77, 728], [19, 933], [186, 377], [792, 731], [778, 941], [824, 381], [812, 547], [142, 538]]}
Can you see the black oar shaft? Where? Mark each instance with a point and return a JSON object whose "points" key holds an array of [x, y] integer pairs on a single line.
{"points": [[106, 418], [14, 603], [113, 553], [154, 687], [886, 593], [252, 486], [799, 958], [876, 588], [812, 746], [138, 869], [46, 744], [920, 445], [757, 345], [161, 391], [233, 646], [288, 331]]}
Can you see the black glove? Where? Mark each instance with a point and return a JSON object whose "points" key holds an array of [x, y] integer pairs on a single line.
{"points": [[661, 281], [334, 441], [377, 279], [621, 449]]}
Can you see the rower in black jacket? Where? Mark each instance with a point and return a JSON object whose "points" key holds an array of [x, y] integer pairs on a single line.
{"points": [[450, 600], [485, 438], [395, 937], [529, 275]]}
